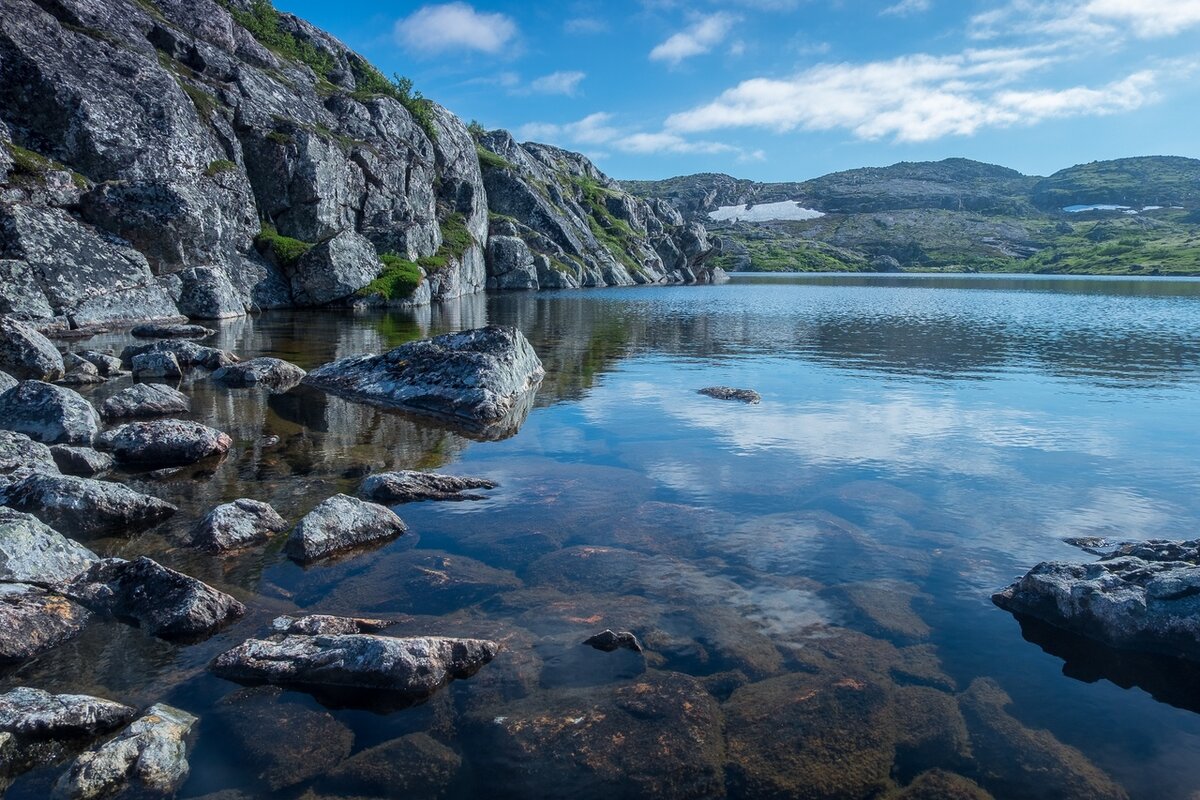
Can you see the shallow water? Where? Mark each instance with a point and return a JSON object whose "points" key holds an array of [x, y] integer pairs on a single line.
{"points": [[921, 441]]}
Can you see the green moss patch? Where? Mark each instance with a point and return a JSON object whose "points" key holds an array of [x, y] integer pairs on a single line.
{"points": [[489, 160], [399, 279], [215, 168], [284, 249]]}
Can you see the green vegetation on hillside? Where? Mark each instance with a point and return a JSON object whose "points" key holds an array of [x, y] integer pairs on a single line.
{"points": [[1154, 180], [285, 250], [399, 279], [615, 234], [31, 166]]}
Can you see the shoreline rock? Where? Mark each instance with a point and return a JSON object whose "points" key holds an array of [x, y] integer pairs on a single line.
{"points": [[410, 486], [26, 354], [49, 414], [165, 443], [145, 400], [341, 523], [273, 373], [84, 506], [237, 525]]}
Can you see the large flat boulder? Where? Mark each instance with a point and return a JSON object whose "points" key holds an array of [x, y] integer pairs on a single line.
{"points": [[341, 523], [33, 552], [147, 759], [33, 714], [85, 507], [476, 377], [49, 414], [165, 442], [34, 620], [1143, 596], [413, 667], [166, 603], [408, 486], [146, 400], [27, 354]]}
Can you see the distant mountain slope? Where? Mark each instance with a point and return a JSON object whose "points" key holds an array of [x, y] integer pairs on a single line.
{"points": [[959, 214]]}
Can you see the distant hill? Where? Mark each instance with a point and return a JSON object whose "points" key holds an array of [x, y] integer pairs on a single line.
{"points": [[959, 215]]}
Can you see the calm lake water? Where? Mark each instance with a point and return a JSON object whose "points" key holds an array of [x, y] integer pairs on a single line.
{"points": [[810, 576]]}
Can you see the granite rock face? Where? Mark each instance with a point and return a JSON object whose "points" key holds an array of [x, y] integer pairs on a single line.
{"points": [[1143, 596], [341, 523], [49, 414], [21, 457], [85, 507], [413, 667], [476, 377], [563, 223]]}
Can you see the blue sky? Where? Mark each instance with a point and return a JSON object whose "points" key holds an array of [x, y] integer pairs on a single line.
{"points": [[791, 89]]}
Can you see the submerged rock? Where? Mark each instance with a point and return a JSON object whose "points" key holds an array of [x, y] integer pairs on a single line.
{"points": [[165, 442], [49, 414], [408, 486], [166, 603], [149, 758], [146, 400], [83, 506], [415, 765], [82, 461], [27, 354], [1143, 596], [33, 620], [340, 523], [413, 667], [476, 377], [608, 641], [155, 330], [281, 739], [273, 373], [242, 523], [32, 552], [728, 393]]}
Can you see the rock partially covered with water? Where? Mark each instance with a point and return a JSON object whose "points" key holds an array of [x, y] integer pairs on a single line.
{"points": [[21, 456], [155, 365], [165, 442], [159, 330], [1143, 596], [80, 372], [166, 603], [318, 624], [232, 526], [83, 506], [415, 765], [340, 523], [476, 377], [33, 620], [408, 486], [42, 727], [413, 667], [83, 461], [27, 354], [729, 393], [207, 293], [149, 758], [33, 552], [106, 364], [188, 354], [49, 414], [273, 373], [146, 400], [608, 641]]}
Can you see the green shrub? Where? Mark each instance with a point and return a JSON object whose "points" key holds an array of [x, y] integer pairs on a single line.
{"points": [[215, 168], [205, 103], [286, 250], [399, 279], [489, 160], [281, 138], [476, 130], [266, 25]]}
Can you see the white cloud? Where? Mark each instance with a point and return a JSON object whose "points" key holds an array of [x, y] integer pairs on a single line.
{"points": [[1111, 20], [699, 38], [558, 83], [454, 26], [912, 99], [906, 7], [593, 129], [597, 129], [645, 143], [585, 25]]}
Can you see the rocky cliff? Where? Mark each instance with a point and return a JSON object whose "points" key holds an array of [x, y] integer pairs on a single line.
{"points": [[205, 158]]}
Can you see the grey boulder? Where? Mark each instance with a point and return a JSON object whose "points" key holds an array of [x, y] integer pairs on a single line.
{"points": [[36, 715], [187, 353], [729, 393], [83, 461], [7, 382], [108, 365], [341, 523], [232, 526], [413, 667], [207, 293], [318, 624], [83, 506], [149, 758], [165, 603], [165, 442], [21, 456], [49, 414], [156, 365], [334, 269], [162, 330], [27, 354], [273, 373], [145, 400], [34, 620], [1143, 596], [408, 486], [476, 377], [80, 372], [33, 552]]}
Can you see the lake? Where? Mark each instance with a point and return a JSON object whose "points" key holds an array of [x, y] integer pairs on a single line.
{"points": [[810, 576]]}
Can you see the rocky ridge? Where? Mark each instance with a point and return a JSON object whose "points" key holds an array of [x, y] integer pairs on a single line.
{"points": [[162, 160]]}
